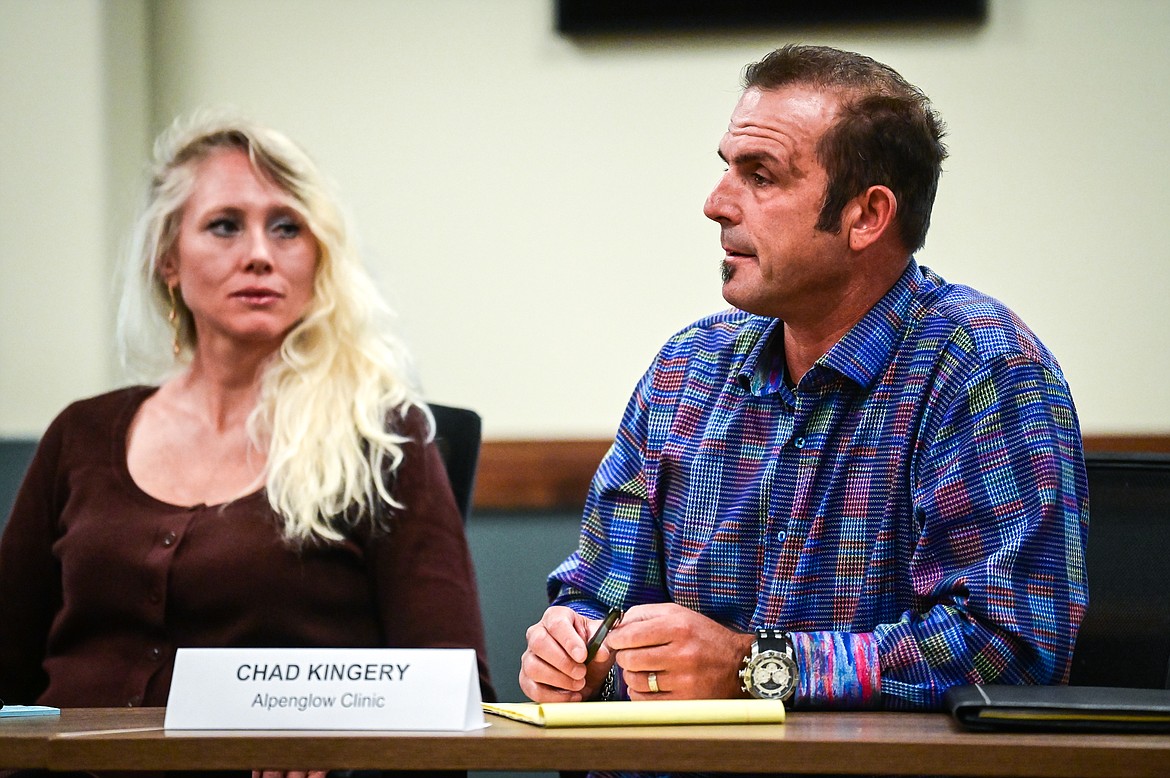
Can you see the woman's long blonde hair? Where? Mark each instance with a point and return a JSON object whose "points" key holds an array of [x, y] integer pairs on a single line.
{"points": [[340, 374]]}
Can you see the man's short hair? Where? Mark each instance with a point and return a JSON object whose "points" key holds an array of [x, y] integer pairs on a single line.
{"points": [[886, 132]]}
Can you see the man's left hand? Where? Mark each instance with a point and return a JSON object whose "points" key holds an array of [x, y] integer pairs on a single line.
{"points": [[689, 655]]}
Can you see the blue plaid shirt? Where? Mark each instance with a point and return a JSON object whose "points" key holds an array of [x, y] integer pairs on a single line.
{"points": [[914, 511]]}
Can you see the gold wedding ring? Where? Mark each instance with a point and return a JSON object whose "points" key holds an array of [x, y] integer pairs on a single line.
{"points": [[652, 679]]}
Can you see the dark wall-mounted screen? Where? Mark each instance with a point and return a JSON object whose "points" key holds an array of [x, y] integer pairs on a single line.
{"points": [[633, 16]]}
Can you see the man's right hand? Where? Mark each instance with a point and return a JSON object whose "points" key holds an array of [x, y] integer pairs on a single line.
{"points": [[553, 667]]}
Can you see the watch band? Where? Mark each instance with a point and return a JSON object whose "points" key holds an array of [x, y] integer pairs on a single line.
{"points": [[771, 640]]}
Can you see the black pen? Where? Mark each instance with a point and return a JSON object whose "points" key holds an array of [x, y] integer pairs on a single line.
{"points": [[611, 618]]}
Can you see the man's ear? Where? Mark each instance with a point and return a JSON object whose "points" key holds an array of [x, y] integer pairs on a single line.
{"points": [[869, 216]]}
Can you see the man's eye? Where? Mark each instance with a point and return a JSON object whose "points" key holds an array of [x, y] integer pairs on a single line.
{"points": [[761, 177], [224, 228]]}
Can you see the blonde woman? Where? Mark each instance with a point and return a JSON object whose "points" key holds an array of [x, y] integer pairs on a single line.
{"points": [[272, 485]]}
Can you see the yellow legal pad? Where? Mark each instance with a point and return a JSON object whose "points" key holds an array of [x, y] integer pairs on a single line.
{"points": [[642, 712]]}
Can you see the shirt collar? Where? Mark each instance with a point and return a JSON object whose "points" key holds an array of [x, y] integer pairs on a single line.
{"points": [[762, 369], [861, 355]]}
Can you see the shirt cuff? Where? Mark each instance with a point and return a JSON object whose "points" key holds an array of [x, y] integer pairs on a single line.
{"points": [[837, 670]]}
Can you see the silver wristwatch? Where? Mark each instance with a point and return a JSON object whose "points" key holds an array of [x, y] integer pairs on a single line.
{"points": [[770, 671]]}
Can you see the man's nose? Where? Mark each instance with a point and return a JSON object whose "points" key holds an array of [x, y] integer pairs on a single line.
{"points": [[721, 205]]}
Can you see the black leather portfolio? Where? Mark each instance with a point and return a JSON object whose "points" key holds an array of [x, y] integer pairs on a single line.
{"points": [[1055, 708]]}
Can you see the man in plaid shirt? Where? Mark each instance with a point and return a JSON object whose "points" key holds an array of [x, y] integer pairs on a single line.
{"points": [[868, 474]]}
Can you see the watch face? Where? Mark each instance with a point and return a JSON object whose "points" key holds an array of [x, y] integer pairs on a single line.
{"points": [[771, 675]]}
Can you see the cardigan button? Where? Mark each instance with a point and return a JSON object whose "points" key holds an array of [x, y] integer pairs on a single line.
{"points": [[168, 539]]}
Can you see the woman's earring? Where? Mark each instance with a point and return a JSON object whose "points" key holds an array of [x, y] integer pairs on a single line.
{"points": [[173, 318]]}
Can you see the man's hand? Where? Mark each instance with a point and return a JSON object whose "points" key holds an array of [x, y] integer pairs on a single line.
{"points": [[691, 656], [553, 668]]}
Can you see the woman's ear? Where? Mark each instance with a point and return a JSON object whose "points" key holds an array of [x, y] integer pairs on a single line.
{"points": [[168, 268], [869, 216]]}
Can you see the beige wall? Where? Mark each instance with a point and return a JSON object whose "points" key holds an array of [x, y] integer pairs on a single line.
{"points": [[73, 128], [531, 204]]}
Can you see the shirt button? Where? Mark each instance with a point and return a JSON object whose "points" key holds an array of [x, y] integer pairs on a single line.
{"points": [[135, 700], [798, 442], [168, 539]]}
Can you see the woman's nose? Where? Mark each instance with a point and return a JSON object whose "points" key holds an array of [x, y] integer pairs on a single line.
{"points": [[259, 253]]}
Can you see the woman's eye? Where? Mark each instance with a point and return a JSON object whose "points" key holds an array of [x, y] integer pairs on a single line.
{"points": [[224, 228], [286, 228]]}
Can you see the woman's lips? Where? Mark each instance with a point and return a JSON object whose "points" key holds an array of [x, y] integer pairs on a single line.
{"points": [[257, 296]]}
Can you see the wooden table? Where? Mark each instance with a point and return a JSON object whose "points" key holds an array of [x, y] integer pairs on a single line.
{"points": [[812, 743]]}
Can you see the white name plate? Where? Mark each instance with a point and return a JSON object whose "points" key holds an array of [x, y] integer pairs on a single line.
{"points": [[325, 688]]}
